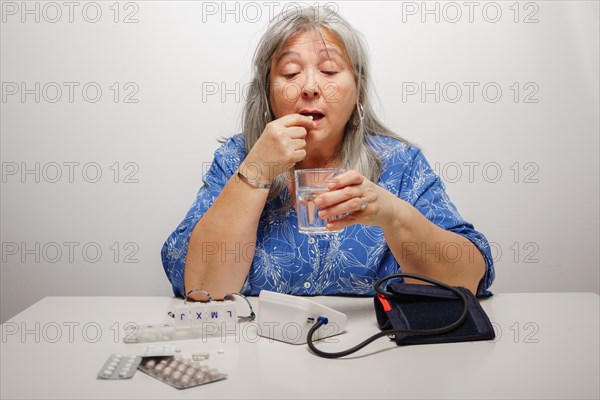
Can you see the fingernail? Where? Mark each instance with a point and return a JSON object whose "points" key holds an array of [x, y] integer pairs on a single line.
{"points": [[318, 201]]}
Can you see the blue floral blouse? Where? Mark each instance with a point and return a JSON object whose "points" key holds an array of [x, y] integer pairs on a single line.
{"points": [[349, 262]]}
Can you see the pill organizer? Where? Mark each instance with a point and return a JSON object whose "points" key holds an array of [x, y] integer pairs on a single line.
{"points": [[118, 366], [181, 373]]}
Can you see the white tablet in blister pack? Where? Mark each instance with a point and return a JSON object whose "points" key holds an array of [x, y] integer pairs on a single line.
{"points": [[119, 367]]}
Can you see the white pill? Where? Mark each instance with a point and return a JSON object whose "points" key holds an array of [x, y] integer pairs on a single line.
{"points": [[123, 373], [150, 364], [200, 377], [204, 368], [168, 371], [108, 372], [213, 373], [159, 367], [173, 364], [164, 362], [185, 380], [176, 375], [220, 351], [181, 367], [205, 355]]}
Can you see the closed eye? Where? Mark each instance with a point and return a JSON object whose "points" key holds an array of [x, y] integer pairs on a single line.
{"points": [[290, 76], [329, 72]]}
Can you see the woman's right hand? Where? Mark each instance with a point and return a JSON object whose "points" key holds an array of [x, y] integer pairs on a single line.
{"points": [[279, 147]]}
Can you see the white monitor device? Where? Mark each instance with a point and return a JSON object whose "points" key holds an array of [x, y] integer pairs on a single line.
{"points": [[288, 318]]}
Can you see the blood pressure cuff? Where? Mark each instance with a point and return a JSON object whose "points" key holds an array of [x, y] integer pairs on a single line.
{"points": [[420, 307]]}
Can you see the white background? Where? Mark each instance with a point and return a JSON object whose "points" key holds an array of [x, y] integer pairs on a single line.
{"points": [[540, 213]]}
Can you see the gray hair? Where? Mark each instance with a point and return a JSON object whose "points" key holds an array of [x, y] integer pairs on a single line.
{"points": [[356, 152]]}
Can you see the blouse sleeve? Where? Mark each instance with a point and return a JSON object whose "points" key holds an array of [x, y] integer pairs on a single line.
{"points": [[423, 189], [174, 251]]}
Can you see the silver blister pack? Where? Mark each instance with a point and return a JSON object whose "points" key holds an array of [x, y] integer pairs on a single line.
{"points": [[118, 366], [181, 373]]}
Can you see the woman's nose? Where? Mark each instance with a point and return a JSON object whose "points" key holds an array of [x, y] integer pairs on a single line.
{"points": [[311, 88]]}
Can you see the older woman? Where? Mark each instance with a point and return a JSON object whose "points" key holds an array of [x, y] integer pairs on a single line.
{"points": [[309, 107]]}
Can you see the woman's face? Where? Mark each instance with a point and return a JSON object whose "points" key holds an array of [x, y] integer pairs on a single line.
{"points": [[312, 76]]}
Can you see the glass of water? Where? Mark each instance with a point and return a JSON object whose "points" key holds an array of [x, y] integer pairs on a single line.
{"points": [[309, 184]]}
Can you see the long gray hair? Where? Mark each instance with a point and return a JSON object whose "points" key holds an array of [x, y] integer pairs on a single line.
{"points": [[355, 151]]}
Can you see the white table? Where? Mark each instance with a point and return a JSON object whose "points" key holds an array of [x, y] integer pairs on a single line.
{"points": [[547, 347]]}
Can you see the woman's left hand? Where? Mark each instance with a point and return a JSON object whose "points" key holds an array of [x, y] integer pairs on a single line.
{"points": [[365, 202]]}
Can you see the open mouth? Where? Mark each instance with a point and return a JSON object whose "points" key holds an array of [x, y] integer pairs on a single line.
{"points": [[315, 115]]}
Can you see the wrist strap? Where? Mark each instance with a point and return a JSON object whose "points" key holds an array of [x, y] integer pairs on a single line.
{"points": [[253, 182]]}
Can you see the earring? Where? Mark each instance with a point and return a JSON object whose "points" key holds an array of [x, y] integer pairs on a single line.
{"points": [[361, 112]]}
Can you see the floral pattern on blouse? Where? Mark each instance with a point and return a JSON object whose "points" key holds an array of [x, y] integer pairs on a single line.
{"points": [[349, 262]]}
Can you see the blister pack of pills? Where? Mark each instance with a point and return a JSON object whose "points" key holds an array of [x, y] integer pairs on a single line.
{"points": [[159, 350], [118, 366], [181, 373]]}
